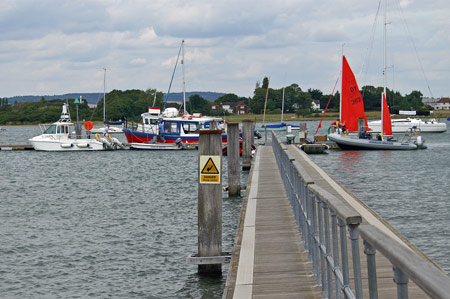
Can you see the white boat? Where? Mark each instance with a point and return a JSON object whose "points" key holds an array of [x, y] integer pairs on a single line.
{"points": [[59, 136], [352, 135], [353, 121], [405, 124], [156, 146], [355, 142]]}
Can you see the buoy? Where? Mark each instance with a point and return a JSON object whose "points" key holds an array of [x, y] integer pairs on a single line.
{"points": [[88, 125]]}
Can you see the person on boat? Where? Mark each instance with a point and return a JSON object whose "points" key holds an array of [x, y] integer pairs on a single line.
{"points": [[161, 130], [106, 130]]}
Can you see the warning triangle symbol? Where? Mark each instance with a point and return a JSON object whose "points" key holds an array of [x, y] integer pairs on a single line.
{"points": [[210, 168]]}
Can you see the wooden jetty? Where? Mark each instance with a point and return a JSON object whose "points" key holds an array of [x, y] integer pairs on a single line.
{"points": [[270, 259]]}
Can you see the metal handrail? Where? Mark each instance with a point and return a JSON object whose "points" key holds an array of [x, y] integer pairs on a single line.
{"points": [[325, 222]]}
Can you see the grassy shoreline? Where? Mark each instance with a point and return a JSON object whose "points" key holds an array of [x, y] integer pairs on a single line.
{"points": [[371, 115]]}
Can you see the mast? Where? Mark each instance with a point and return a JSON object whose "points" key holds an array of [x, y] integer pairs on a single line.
{"points": [[184, 82], [104, 95], [384, 63], [282, 106], [342, 84]]}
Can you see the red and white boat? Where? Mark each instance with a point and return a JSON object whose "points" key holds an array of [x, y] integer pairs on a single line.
{"points": [[185, 127]]}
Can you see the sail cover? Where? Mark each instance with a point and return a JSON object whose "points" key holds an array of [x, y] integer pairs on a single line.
{"points": [[387, 125], [352, 105]]}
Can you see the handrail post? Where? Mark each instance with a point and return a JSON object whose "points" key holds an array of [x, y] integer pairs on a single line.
{"points": [[334, 234], [354, 237], [370, 252], [315, 237], [328, 247], [322, 254], [344, 255], [401, 280]]}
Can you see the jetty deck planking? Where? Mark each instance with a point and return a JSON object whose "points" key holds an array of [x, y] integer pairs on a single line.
{"points": [[280, 265]]}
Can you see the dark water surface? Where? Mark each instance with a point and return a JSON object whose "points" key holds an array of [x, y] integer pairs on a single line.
{"points": [[116, 224], [120, 224], [410, 189]]}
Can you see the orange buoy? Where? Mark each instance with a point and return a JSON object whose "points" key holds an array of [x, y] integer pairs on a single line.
{"points": [[88, 125]]}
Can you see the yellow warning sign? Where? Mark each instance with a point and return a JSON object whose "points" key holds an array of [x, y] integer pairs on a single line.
{"points": [[209, 169]]}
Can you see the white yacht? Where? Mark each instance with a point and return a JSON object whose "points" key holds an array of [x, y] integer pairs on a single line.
{"points": [[405, 124], [59, 136]]}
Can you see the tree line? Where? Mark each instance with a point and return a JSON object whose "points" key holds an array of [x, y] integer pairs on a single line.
{"points": [[129, 104]]}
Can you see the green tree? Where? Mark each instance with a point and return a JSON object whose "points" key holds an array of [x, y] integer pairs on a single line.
{"points": [[198, 104], [228, 98]]}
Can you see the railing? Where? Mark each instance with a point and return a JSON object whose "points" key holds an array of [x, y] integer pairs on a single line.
{"points": [[325, 222]]}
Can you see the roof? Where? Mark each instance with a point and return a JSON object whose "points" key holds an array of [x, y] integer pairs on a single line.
{"points": [[444, 100]]}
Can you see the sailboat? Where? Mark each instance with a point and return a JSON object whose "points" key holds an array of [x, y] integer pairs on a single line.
{"points": [[282, 125], [354, 119], [352, 134], [111, 129], [178, 128]]}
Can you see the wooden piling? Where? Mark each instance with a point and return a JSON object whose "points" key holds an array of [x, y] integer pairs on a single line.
{"points": [[210, 199], [234, 181], [247, 136]]}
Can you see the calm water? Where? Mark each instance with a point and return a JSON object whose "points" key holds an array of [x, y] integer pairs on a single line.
{"points": [[120, 224], [114, 224], [410, 189]]}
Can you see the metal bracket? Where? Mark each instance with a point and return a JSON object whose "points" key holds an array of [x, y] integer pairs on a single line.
{"points": [[194, 259]]}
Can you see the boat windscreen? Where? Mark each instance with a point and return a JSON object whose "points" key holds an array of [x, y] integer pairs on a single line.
{"points": [[50, 130]]}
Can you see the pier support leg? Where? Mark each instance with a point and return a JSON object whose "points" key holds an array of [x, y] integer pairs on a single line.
{"points": [[234, 178], [210, 199], [247, 136]]}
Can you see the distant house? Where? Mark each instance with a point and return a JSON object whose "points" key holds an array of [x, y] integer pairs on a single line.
{"points": [[442, 104], [315, 105], [237, 108], [92, 106], [429, 101]]}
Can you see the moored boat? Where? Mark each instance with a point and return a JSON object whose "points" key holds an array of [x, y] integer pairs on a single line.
{"points": [[351, 133], [59, 137], [405, 124], [185, 127]]}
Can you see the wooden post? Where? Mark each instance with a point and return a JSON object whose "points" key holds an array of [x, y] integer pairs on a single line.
{"points": [[210, 199], [234, 180], [247, 136]]}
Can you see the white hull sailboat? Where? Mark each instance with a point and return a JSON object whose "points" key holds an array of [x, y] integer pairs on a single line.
{"points": [[354, 135], [405, 124], [111, 129]]}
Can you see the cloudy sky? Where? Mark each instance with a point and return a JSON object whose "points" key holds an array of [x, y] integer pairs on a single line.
{"points": [[59, 46]]}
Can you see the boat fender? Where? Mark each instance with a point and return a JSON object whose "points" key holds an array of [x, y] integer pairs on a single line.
{"points": [[98, 137], [419, 141], [66, 145]]}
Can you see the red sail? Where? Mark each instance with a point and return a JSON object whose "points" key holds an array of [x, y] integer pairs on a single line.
{"points": [[387, 125], [352, 105]]}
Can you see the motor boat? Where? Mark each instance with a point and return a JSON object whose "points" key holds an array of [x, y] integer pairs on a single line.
{"points": [[60, 136]]}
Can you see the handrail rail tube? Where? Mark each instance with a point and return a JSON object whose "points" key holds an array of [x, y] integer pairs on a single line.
{"points": [[324, 219], [430, 279]]}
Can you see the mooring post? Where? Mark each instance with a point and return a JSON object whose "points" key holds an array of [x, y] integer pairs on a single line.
{"points": [[247, 136], [210, 199], [234, 178]]}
